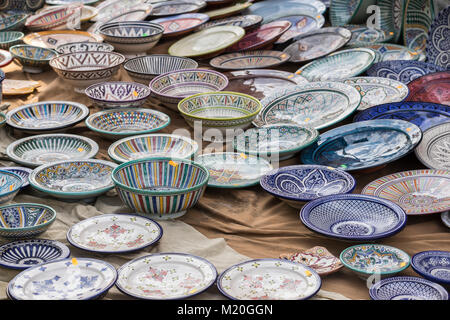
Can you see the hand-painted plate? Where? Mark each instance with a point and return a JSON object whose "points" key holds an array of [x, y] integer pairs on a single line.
{"points": [[130, 15], [363, 145], [433, 87], [181, 24], [433, 265], [300, 24], [250, 60], [418, 192], [176, 7], [5, 58], [52, 39], [269, 279], [375, 91], [247, 22], [111, 8], [272, 10], [164, 276], [434, 149], [343, 12], [391, 16], [87, 12], [417, 20], [438, 48], [228, 11], [389, 51], [363, 36], [233, 170], [114, 233]]}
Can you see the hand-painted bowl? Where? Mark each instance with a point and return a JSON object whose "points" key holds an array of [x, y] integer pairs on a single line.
{"points": [[144, 69], [10, 185], [42, 117], [120, 123], [152, 145], [73, 47], [433, 265], [222, 114], [23, 172], [299, 184], [118, 94], [368, 259], [132, 37], [53, 19], [13, 22], [407, 288], [25, 220], [33, 59], [10, 38], [74, 179], [82, 69], [46, 148], [160, 188], [170, 88], [353, 217]]}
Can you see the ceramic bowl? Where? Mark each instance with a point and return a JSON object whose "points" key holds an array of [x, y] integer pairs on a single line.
{"points": [[25, 220], [120, 123], [368, 259], [433, 265], [170, 88], [299, 184], [33, 59], [407, 288], [46, 148], [13, 22], [23, 172], [5, 58], [83, 69], [133, 37], [353, 217], [162, 188], [10, 38], [152, 145], [42, 117], [10, 185], [56, 19], [222, 114], [73, 47], [277, 142], [73, 179], [144, 69], [118, 94]]}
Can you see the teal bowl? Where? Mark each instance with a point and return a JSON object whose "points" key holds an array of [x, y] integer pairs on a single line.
{"points": [[10, 185], [13, 22], [33, 59], [10, 38]]}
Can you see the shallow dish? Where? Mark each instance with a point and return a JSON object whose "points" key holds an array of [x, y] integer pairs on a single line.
{"points": [[10, 185], [353, 217], [157, 187], [53, 39], [114, 233], [363, 35], [299, 184], [181, 24], [176, 7], [33, 59], [69, 279], [118, 94], [73, 47], [13, 22], [389, 51], [273, 10], [433, 150], [18, 87], [228, 11], [437, 45], [53, 18], [250, 60], [47, 116], [347, 147], [418, 192], [407, 288], [10, 38], [269, 279], [25, 220], [112, 8], [300, 24], [247, 22], [433, 265], [166, 276], [152, 145], [433, 87], [5, 58], [119, 123], [23, 172], [23, 254], [42, 149]]}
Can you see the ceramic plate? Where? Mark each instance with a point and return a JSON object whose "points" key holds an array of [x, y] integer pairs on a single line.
{"points": [[228, 11], [391, 16], [317, 44], [418, 192], [339, 66], [233, 170], [23, 172], [269, 279], [300, 24], [362, 35], [318, 105], [181, 24], [417, 20], [122, 16], [114, 233], [111, 8], [165, 276], [434, 149], [272, 10], [70, 279], [363, 145], [175, 7], [389, 51], [53, 39], [18, 87], [437, 48], [343, 11], [250, 60], [445, 217], [433, 265], [5, 58], [247, 22], [375, 91], [433, 87]]}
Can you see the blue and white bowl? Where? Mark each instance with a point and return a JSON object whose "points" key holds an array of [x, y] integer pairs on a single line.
{"points": [[433, 265], [10, 185], [33, 59], [23, 172]]}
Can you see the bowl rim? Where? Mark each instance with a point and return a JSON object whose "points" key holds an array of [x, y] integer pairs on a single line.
{"points": [[188, 115], [15, 55], [416, 258], [155, 26], [30, 204], [106, 83], [97, 68], [19, 36], [35, 22], [20, 17], [18, 168], [163, 56], [17, 188], [58, 48], [198, 186]]}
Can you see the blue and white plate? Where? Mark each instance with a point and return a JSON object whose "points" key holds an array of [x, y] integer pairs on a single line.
{"points": [[23, 172], [438, 43], [433, 265], [10, 185]]}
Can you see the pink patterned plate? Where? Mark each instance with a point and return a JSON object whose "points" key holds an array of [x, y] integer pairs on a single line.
{"points": [[114, 233], [317, 258], [433, 87], [181, 24]]}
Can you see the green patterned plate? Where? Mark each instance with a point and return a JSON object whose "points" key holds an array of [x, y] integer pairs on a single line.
{"points": [[391, 16], [419, 15]]}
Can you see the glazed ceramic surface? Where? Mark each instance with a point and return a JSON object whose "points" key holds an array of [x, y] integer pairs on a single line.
{"points": [[363, 145], [18, 87], [316, 105], [228, 11], [417, 21], [10, 38], [23, 254], [342, 11], [363, 35], [23, 172], [72, 47], [247, 22], [112, 8], [353, 217], [389, 51], [434, 149], [391, 16], [250, 60], [300, 24], [437, 47], [375, 91], [123, 15], [118, 94], [433, 87], [152, 145], [269, 279], [42, 149], [233, 170], [274, 9], [175, 7], [418, 192], [166, 276], [53, 39], [5, 58], [114, 233], [33, 59], [181, 24], [86, 14], [13, 22], [445, 217], [10, 185], [56, 18], [69, 279], [433, 265], [302, 183]]}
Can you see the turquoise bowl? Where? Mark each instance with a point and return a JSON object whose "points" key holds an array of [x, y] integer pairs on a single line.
{"points": [[10, 38], [25, 220], [10, 184], [33, 59], [13, 22]]}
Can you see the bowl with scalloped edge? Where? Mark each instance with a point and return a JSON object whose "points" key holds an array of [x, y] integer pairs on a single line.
{"points": [[73, 47], [23, 172], [10, 38], [433, 265], [10, 185], [33, 59], [13, 22], [117, 94]]}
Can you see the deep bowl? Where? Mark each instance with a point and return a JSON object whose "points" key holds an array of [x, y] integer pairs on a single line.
{"points": [[162, 188], [33, 59], [152, 145], [10, 185], [433, 265], [23, 172], [13, 22], [170, 88], [73, 47], [299, 184], [10, 38], [25, 220], [118, 94], [407, 288]]}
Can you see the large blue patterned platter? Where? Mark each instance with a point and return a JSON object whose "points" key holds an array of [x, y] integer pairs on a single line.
{"points": [[438, 43], [433, 265], [363, 145], [423, 114]]}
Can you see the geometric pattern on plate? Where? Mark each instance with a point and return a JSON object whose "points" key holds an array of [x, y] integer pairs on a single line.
{"points": [[434, 149], [249, 60], [433, 265], [438, 43]]}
